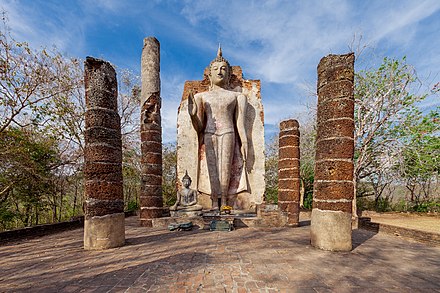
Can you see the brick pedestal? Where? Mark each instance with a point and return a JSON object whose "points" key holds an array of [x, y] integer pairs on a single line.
{"points": [[333, 186], [104, 205], [151, 200], [288, 171]]}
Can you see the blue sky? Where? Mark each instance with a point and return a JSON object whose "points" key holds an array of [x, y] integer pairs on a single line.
{"points": [[278, 42]]}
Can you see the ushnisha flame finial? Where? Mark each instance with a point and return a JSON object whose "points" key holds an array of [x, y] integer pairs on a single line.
{"points": [[219, 51], [219, 57], [186, 176]]}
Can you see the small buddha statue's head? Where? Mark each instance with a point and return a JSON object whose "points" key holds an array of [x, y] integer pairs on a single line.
{"points": [[219, 71], [186, 180]]}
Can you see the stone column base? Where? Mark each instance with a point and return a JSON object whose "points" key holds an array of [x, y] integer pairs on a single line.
{"points": [[331, 230], [103, 232]]}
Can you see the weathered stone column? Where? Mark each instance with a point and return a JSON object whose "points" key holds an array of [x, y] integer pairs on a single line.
{"points": [[104, 225], [151, 134], [288, 171], [333, 186]]}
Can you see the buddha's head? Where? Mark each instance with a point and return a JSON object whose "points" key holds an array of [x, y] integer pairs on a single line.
{"points": [[186, 180], [219, 71]]}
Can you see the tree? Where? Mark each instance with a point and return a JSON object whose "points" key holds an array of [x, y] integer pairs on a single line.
{"points": [[35, 85], [169, 173], [26, 178], [307, 161], [271, 168], [383, 102], [419, 164]]}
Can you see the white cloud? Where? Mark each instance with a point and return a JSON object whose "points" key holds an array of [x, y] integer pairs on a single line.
{"points": [[281, 41], [31, 23]]}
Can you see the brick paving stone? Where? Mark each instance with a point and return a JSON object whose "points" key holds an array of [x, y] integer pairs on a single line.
{"points": [[243, 260]]}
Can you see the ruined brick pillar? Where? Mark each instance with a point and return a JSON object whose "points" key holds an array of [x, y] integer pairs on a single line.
{"points": [[104, 225], [288, 171], [151, 134], [333, 186]]}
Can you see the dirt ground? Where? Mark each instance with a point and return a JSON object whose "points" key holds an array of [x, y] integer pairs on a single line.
{"points": [[422, 222]]}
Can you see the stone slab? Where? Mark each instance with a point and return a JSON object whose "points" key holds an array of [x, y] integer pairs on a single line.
{"points": [[243, 260]]}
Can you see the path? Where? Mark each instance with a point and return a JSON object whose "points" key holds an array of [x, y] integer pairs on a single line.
{"points": [[244, 260]]}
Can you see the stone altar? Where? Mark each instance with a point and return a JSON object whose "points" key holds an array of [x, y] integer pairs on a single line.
{"points": [[220, 137]]}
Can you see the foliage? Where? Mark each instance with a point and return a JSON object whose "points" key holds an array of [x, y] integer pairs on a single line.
{"points": [[419, 165], [26, 178], [389, 127], [307, 161], [386, 205], [34, 84], [169, 173], [43, 96], [271, 168], [132, 206]]}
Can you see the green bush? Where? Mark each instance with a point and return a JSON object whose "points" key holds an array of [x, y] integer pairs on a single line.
{"points": [[308, 200], [271, 195], [425, 207], [132, 206]]}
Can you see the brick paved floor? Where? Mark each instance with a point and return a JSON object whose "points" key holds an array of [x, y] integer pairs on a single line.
{"points": [[244, 260]]}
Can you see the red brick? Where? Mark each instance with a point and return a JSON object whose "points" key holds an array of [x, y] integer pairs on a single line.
{"points": [[336, 73], [151, 135], [151, 213], [151, 147], [103, 171], [102, 153], [289, 183], [333, 206], [103, 135], [151, 158], [288, 195], [104, 190], [335, 90], [151, 169], [288, 140], [288, 163], [290, 123], [150, 179], [334, 170], [335, 128], [288, 173], [151, 190], [288, 153], [333, 190], [151, 201], [146, 223], [338, 148]]}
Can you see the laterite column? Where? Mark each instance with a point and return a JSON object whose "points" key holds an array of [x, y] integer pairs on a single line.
{"points": [[333, 186], [104, 205], [151, 134], [288, 171]]}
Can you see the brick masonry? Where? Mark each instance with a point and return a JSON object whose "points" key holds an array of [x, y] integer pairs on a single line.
{"points": [[288, 171], [151, 200], [102, 153], [333, 189], [333, 185]]}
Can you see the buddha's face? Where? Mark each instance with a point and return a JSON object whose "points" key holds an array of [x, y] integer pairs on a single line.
{"points": [[219, 73], [186, 182]]}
